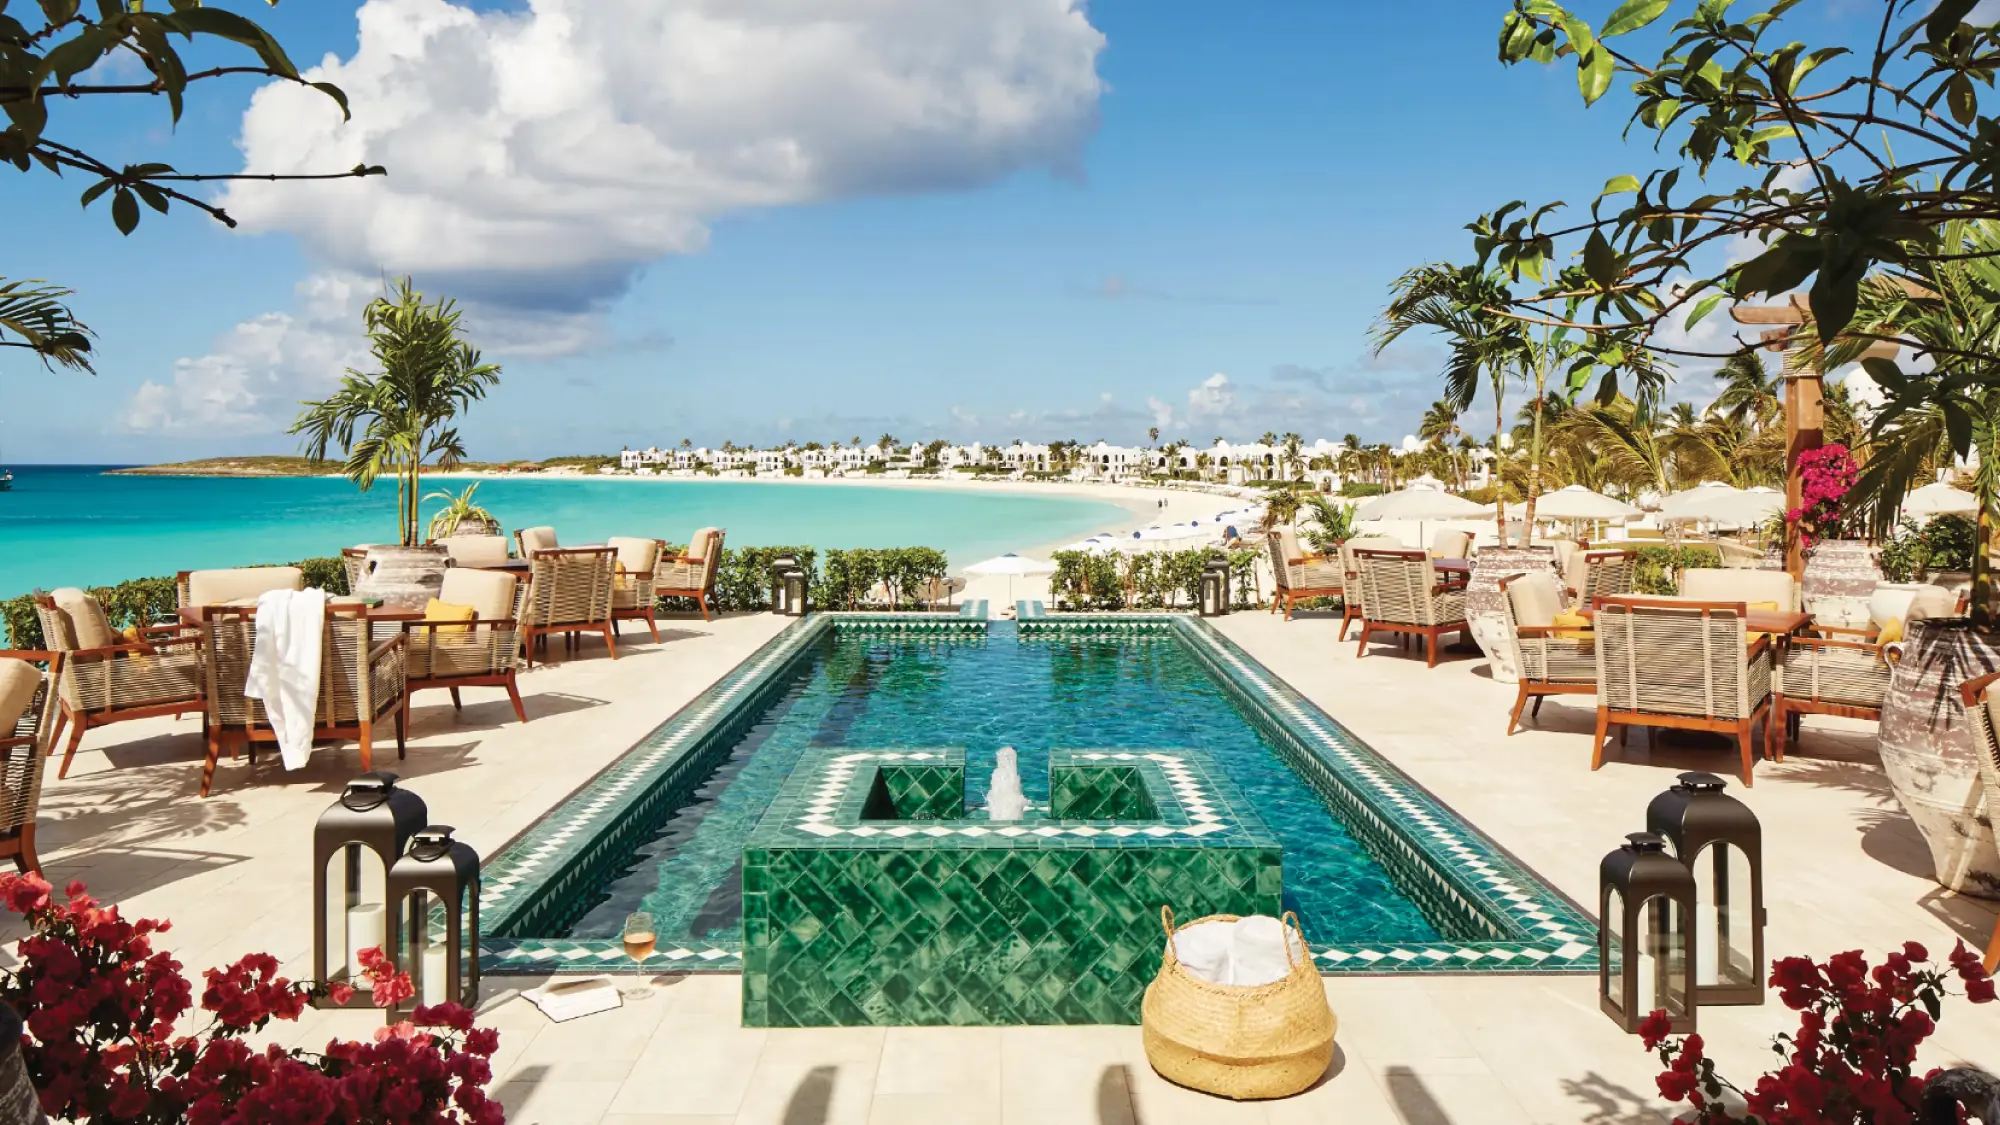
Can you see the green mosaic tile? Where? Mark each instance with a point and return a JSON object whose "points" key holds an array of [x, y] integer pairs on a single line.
{"points": [[910, 792], [1099, 792]]}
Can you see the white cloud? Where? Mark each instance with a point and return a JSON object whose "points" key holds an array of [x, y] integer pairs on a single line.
{"points": [[1213, 397]]}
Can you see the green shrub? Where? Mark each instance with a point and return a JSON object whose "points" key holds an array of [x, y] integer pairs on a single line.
{"points": [[1356, 488], [147, 601], [1660, 567], [1094, 581]]}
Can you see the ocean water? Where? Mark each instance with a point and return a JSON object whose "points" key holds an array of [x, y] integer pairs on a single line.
{"points": [[72, 525]]}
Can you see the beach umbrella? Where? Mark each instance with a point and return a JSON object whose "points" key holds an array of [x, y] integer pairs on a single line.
{"points": [[1013, 566], [1731, 506], [1579, 503], [1418, 504], [1673, 507], [1940, 500]]}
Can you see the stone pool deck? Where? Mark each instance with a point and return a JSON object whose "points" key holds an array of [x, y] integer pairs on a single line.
{"points": [[1846, 870]]}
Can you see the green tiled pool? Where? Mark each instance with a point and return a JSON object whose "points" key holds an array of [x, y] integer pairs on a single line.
{"points": [[1381, 875]]}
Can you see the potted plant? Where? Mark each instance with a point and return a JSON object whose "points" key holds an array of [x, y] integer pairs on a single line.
{"points": [[1841, 574]]}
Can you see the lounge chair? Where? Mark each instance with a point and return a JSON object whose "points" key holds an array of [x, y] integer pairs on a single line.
{"points": [[474, 550], [692, 575], [636, 575], [1687, 665], [1449, 543], [1552, 660], [532, 539], [938, 591], [483, 652], [1737, 556], [25, 706], [569, 592], [196, 588], [1351, 607], [1301, 575], [1605, 574], [362, 681], [1404, 594], [107, 678], [1982, 707]]}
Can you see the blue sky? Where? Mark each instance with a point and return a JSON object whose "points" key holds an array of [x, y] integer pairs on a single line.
{"points": [[1067, 236]]}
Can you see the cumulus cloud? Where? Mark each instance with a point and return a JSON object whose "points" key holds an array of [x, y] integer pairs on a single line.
{"points": [[539, 159]]}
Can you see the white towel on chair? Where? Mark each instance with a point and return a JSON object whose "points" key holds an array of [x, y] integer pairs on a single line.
{"points": [[284, 667]]}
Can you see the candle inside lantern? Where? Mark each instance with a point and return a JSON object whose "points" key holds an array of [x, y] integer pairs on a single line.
{"points": [[364, 931], [435, 975]]}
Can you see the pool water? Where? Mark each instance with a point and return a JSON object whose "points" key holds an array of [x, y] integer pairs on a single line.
{"points": [[1034, 693]]}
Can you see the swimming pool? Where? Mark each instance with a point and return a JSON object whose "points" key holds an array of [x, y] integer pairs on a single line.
{"points": [[1381, 875]]}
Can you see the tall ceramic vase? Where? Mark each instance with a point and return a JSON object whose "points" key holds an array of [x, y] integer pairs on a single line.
{"points": [[402, 576], [1927, 750], [1483, 610], [1840, 578]]}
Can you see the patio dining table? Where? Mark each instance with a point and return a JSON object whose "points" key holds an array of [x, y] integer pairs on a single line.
{"points": [[191, 614], [1777, 622], [1453, 568]]}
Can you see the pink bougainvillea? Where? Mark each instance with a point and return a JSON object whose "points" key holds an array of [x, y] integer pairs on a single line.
{"points": [[101, 1006], [1826, 475], [1852, 1060]]}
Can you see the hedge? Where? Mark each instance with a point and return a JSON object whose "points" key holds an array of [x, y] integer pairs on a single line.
{"points": [[1660, 567], [846, 581], [1089, 580], [145, 601]]}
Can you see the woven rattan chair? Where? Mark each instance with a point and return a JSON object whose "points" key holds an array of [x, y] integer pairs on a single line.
{"points": [[362, 681], [354, 560], [25, 734], [485, 652], [532, 539], [108, 679], [692, 575], [240, 584], [1552, 661], [569, 592], [1351, 607], [474, 550], [1404, 595], [1829, 677], [1451, 543], [637, 575], [1686, 665], [1606, 574], [1982, 707], [1301, 575]]}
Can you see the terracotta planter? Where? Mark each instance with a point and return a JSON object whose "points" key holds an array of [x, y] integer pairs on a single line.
{"points": [[1840, 577], [1927, 751], [1483, 610], [402, 576]]}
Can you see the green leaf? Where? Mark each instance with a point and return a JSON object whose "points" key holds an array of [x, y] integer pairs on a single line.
{"points": [[1788, 262], [1885, 374], [228, 25], [1593, 74], [91, 193], [1963, 99], [1618, 185], [125, 211], [1702, 308], [1957, 427], [338, 95], [1772, 133], [1945, 18], [153, 196], [1631, 16], [1600, 261]]}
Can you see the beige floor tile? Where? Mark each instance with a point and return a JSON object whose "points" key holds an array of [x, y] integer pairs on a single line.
{"points": [[1424, 1097], [692, 1065], [532, 1101], [662, 1119], [962, 1061], [1058, 1075], [814, 1076]]}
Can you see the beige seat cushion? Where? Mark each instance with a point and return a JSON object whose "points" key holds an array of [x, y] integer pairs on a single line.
{"points": [[489, 592], [537, 539], [1712, 584], [86, 618], [19, 680], [698, 547], [474, 550], [635, 556], [1451, 544], [1536, 599], [244, 583], [1367, 543]]}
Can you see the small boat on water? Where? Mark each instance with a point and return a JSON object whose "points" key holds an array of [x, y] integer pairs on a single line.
{"points": [[6, 480]]}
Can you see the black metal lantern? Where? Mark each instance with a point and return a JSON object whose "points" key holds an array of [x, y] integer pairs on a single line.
{"points": [[374, 817], [1645, 939], [780, 567], [435, 886], [788, 593], [1215, 588], [1696, 816]]}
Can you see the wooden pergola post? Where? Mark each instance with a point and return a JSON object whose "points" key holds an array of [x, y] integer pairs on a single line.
{"points": [[1805, 408]]}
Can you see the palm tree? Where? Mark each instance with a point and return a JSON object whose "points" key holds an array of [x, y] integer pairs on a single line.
{"points": [[887, 442], [686, 444], [391, 421], [1153, 433], [1749, 394], [33, 313], [1293, 447]]}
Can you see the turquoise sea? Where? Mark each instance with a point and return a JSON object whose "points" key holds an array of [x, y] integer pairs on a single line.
{"points": [[72, 525]]}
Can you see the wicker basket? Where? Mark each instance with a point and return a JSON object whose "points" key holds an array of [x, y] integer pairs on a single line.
{"points": [[1255, 1041]]}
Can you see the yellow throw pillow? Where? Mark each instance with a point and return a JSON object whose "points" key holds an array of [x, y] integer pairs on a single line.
{"points": [[435, 610], [1573, 626], [1767, 607], [1892, 631]]}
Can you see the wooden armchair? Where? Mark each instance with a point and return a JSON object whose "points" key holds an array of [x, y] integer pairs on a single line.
{"points": [[1828, 676], [532, 539], [483, 652], [1982, 707], [362, 681], [569, 592], [1553, 660], [238, 584], [1300, 575], [26, 702], [354, 561], [1606, 574], [106, 678], [1687, 665], [634, 580], [1405, 595], [692, 575], [1352, 606]]}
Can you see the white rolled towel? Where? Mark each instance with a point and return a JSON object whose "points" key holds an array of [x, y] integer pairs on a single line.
{"points": [[1203, 949], [1257, 951]]}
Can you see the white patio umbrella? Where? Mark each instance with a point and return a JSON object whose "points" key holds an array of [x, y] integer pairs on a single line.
{"points": [[1579, 503], [1420, 504], [1940, 500], [1013, 566], [1735, 507], [1672, 507]]}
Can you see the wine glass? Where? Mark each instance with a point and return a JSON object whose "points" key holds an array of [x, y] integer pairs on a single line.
{"points": [[640, 938]]}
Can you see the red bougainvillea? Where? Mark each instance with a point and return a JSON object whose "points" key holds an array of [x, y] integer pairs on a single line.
{"points": [[1826, 475], [1851, 1061], [101, 1006]]}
